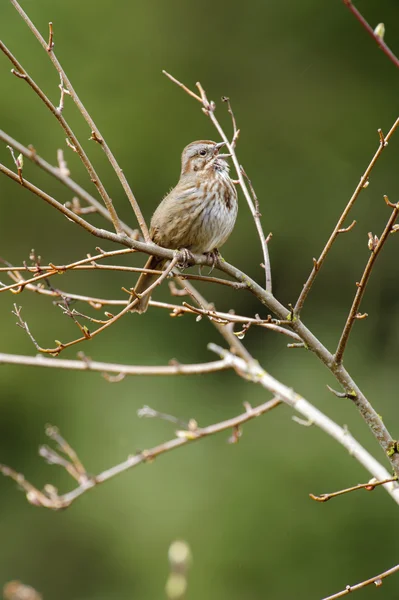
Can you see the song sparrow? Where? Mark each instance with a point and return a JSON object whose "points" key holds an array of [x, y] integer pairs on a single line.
{"points": [[198, 214]]}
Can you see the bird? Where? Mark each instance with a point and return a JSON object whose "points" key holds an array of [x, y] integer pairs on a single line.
{"points": [[197, 215]]}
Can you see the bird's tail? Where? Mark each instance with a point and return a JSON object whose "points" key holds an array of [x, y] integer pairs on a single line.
{"points": [[144, 282]]}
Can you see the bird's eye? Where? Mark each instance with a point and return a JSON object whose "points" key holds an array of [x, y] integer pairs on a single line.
{"points": [[202, 152]]}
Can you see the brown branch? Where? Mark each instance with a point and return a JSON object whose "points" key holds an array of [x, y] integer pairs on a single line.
{"points": [[377, 38], [209, 109], [377, 580], [339, 226], [96, 134], [373, 483], [73, 140], [53, 501], [361, 287], [60, 175]]}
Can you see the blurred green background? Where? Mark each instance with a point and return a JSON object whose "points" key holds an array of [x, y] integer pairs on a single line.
{"points": [[309, 89]]}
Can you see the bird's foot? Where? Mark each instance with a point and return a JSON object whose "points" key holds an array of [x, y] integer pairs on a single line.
{"points": [[185, 257]]}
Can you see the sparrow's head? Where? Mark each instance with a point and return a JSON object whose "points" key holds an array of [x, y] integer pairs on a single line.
{"points": [[203, 155]]}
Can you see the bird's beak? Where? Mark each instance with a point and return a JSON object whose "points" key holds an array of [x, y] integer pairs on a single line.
{"points": [[217, 148]]}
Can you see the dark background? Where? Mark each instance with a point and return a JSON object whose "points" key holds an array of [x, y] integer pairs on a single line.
{"points": [[309, 89]]}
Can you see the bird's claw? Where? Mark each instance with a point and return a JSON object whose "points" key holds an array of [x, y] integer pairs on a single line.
{"points": [[214, 256], [185, 257]]}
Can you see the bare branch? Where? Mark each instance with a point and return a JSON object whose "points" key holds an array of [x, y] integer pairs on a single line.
{"points": [[252, 371]]}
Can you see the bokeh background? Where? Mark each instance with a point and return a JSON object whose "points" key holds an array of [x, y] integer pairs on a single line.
{"points": [[309, 89]]}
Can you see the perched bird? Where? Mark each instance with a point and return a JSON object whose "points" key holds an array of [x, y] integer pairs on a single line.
{"points": [[198, 214]]}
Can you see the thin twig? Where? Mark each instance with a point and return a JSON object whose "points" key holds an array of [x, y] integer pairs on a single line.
{"points": [[361, 286], [377, 38], [373, 483], [96, 134], [339, 226], [377, 580]]}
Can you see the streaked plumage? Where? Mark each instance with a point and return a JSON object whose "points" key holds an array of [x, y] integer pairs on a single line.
{"points": [[198, 214]]}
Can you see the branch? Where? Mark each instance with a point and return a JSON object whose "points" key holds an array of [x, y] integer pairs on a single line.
{"points": [[86, 364], [252, 371], [377, 580], [363, 183], [95, 132], [49, 498], [372, 418], [377, 38], [375, 247]]}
